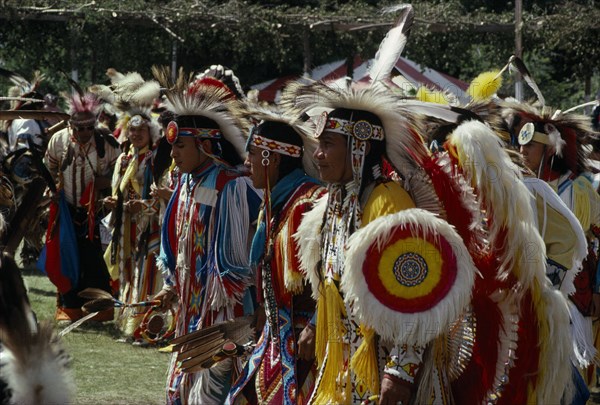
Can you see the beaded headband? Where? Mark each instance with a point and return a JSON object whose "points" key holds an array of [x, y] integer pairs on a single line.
{"points": [[362, 130], [276, 146], [174, 132]]}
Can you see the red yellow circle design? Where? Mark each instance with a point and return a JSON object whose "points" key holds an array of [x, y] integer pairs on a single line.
{"points": [[410, 274], [172, 132]]}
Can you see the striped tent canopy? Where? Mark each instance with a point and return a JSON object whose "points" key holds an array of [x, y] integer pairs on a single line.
{"points": [[410, 76]]}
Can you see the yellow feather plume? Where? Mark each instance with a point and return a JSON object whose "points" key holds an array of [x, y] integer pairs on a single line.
{"points": [[485, 85], [431, 96]]}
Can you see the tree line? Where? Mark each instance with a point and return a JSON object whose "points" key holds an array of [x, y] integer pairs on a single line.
{"points": [[261, 40]]}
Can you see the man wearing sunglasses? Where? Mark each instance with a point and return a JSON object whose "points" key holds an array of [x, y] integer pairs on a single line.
{"points": [[80, 158]]}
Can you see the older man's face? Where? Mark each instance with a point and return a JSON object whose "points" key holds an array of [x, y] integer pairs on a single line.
{"points": [[83, 132]]}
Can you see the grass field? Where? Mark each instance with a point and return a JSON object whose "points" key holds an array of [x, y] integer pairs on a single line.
{"points": [[105, 371]]}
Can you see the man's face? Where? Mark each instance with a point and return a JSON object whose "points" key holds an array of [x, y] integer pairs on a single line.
{"points": [[254, 162], [333, 158], [532, 153], [139, 136], [83, 133], [186, 155]]}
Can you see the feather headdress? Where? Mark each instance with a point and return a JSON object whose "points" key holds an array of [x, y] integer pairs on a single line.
{"points": [[23, 87], [86, 103], [132, 95], [256, 114], [202, 100], [567, 132], [226, 77], [401, 141]]}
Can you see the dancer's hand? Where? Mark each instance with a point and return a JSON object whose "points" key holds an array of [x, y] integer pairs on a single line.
{"points": [[110, 202], [306, 343], [163, 193], [134, 206], [167, 299], [393, 392]]}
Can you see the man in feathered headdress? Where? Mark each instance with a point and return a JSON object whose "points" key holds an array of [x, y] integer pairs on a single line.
{"points": [[80, 158], [356, 133], [280, 160], [206, 228], [551, 144], [552, 147]]}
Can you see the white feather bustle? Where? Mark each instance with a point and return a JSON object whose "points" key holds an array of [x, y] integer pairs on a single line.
{"points": [[391, 324], [498, 181], [40, 373], [308, 238]]}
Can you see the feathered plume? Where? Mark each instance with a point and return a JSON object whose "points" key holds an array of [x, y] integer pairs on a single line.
{"points": [[392, 45], [73, 84], [225, 76], [32, 361], [21, 83], [485, 85], [86, 103], [431, 96], [132, 91], [521, 68]]}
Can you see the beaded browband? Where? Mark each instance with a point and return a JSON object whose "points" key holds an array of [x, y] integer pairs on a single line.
{"points": [[362, 130]]}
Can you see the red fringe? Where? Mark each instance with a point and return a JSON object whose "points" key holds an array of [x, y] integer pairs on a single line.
{"points": [[524, 374], [478, 377]]}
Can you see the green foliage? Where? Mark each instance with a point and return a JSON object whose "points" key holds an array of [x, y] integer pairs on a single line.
{"points": [[262, 40]]}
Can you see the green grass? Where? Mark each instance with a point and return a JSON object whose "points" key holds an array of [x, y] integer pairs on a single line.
{"points": [[105, 371]]}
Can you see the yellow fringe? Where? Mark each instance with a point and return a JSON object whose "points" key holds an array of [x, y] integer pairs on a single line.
{"points": [[330, 342], [293, 278], [581, 199], [364, 361], [485, 85], [544, 339]]}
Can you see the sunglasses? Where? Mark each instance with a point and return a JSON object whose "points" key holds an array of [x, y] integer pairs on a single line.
{"points": [[80, 129]]}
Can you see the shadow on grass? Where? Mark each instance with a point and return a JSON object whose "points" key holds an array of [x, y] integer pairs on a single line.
{"points": [[109, 329], [43, 292]]}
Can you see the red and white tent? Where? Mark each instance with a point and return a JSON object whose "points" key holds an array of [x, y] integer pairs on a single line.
{"points": [[412, 75]]}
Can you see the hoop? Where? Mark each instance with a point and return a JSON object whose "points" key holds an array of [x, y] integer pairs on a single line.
{"points": [[146, 321]]}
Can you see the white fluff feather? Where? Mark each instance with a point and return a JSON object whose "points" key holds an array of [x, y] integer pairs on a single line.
{"points": [[390, 324]]}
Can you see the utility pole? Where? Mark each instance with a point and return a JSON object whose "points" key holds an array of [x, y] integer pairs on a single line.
{"points": [[307, 53], [519, 46], [174, 61]]}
